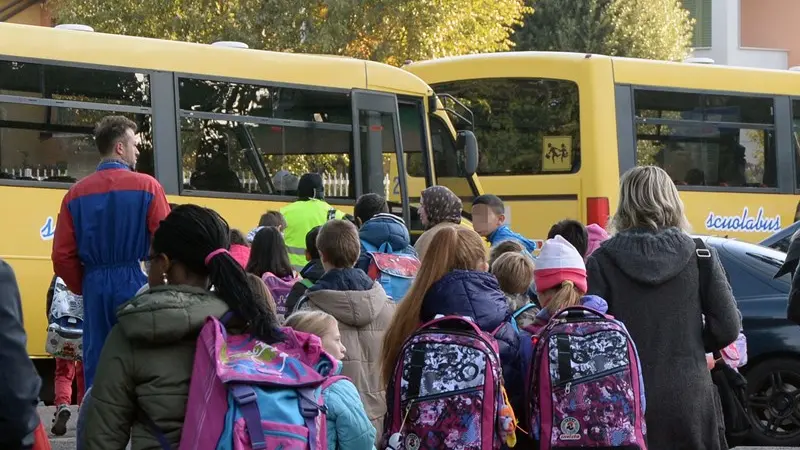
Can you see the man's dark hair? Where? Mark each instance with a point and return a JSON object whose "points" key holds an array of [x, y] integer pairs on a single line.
{"points": [[110, 130], [369, 205], [492, 201], [338, 241], [237, 238], [574, 232], [311, 242], [268, 253], [311, 186], [272, 219], [189, 234]]}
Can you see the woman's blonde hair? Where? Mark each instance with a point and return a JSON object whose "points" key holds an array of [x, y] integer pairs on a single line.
{"points": [[455, 248], [313, 322], [565, 295], [648, 199]]}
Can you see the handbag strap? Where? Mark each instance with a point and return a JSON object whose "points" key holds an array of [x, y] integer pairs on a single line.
{"points": [[704, 267]]}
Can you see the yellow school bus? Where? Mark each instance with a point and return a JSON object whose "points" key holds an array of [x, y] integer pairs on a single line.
{"points": [[220, 126], [556, 131]]}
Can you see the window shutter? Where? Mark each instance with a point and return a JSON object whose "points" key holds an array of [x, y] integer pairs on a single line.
{"points": [[700, 11]]}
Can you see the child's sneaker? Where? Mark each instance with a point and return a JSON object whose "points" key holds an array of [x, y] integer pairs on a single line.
{"points": [[60, 420]]}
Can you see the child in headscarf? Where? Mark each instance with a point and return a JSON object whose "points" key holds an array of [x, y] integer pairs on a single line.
{"points": [[439, 207]]}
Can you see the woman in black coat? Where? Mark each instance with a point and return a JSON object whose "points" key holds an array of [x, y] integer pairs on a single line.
{"points": [[648, 272]]}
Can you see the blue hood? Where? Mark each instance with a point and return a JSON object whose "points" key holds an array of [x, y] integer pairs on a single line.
{"points": [[343, 280], [386, 228], [467, 293]]}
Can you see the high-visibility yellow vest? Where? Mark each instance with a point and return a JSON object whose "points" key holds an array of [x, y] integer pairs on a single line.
{"points": [[301, 217]]}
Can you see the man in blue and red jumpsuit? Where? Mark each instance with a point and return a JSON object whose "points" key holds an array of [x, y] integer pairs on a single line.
{"points": [[103, 233]]}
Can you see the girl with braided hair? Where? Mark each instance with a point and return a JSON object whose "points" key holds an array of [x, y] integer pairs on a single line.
{"points": [[143, 376]]}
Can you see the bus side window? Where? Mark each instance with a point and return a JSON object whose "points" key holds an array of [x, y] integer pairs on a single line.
{"points": [[49, 115], [704, 139]]}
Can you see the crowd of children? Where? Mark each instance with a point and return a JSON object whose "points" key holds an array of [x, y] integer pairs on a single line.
{"points": [[351, 295]]}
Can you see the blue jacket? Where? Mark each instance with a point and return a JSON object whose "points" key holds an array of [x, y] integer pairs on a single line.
{"points": [[478, 295], [347, 423], [504, 233], [384, 228]]}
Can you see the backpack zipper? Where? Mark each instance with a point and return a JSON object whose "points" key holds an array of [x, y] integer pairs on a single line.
{"points": [[569, 383], [441, 395]]}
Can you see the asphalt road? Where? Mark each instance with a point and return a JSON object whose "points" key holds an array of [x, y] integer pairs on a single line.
{"points": [[67, 442]]}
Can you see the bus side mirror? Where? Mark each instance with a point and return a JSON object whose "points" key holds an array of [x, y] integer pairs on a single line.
{"points": [[467, 143]]}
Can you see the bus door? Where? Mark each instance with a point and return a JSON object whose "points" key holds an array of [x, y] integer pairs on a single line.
{"points": [[376, 116]]}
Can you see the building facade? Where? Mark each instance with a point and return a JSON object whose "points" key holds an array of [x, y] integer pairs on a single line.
{"points": [[748, 33]]}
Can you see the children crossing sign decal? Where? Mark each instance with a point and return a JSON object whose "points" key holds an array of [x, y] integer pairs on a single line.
{"points": [[557, 154]]}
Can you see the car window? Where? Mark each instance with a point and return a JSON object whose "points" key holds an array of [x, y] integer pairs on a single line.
{"points": [[782, 245], [755, 267]]}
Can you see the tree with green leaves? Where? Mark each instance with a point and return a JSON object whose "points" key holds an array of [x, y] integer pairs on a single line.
{"points": [[651, 29], [390, 31]]}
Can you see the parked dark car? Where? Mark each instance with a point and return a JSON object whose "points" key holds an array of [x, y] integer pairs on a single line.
{"points": [[781, 239], [773, 342]]}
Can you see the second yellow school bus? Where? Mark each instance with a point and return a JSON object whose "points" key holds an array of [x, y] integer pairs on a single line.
{"points": [[556, 131]]}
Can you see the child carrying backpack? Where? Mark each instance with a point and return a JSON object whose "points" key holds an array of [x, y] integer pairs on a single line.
{"points": [[387, 255], [246, 394], [586, 386], [448, 377]]}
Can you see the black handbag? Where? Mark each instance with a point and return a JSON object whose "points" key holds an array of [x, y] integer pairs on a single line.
{"points": [[731, 385]]}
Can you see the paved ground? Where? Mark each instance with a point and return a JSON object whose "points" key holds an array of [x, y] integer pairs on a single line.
{"points": [[67, 442]]}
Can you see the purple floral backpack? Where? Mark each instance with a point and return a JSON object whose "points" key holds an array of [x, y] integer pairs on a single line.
{"points": [[447, 390], [587, 389], [280, 289]]}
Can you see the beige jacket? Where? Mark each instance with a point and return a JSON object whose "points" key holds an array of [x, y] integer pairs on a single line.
{"points": [[363, 319], [425, 240]]}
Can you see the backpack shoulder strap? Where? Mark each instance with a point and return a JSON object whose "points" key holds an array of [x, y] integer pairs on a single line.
{"points": [[703, 265], [519, 312], [306, 282], [154, 429], [300, 302]]}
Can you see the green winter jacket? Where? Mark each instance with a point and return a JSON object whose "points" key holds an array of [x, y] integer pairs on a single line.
{"points": [[145, 367]]}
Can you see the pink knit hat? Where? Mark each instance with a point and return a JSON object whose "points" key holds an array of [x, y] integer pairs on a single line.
{"points": [[596, 235], [558, 261]]}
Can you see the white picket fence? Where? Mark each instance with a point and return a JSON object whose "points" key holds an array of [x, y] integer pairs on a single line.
{"points": [[336, 184], [37, 174]]}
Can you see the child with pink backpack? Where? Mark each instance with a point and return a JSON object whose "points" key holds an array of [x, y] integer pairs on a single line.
{"points": [[269, 259], [585, 383]]}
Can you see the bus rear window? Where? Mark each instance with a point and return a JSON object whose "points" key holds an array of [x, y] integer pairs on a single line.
{"points": [[524, 126]]}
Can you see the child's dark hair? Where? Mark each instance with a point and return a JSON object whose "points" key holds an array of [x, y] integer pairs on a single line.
{"points": [[237, 238], [509, 246], [191, 233], [369, 205], [492, 201], [311, 242], [574, 232], [269, 254], [272, 219]]}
